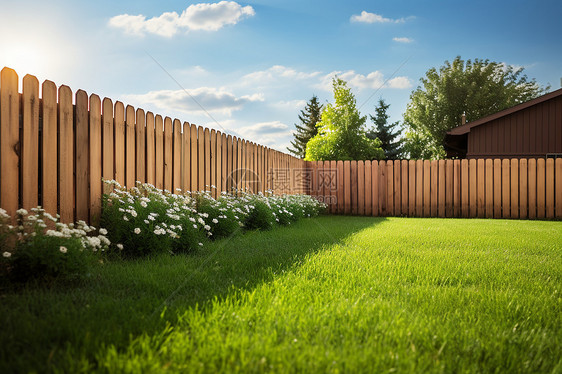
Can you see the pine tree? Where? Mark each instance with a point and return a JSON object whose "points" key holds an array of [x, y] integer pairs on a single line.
{"points": [[308, 117], [384, 132]]}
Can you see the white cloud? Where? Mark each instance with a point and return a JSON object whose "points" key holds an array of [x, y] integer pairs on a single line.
{"points": [[403, 40], [373, 80], [212, 99], [272, 134], [273, 127], [277, 72], [290, 104], [203, 16], [366, 17]]}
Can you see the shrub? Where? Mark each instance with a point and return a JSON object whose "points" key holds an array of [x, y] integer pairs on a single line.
{"points": [[30, 250]]}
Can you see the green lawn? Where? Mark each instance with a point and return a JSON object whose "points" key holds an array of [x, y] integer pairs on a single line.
{"points": [[330, 294]]}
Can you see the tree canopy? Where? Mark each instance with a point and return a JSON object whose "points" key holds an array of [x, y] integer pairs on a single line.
{"points": [[309, 117], [383, 131], [341, 131], [477, 88]]}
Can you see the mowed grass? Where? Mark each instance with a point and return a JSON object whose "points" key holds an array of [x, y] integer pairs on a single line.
{"points": [[331, 294]]}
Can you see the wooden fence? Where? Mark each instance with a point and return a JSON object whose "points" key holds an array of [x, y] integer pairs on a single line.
{"points": [[56, 147], [516, 188]]}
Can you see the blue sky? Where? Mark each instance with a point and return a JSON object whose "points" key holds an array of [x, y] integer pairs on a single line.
{"points": [[252, 65]]}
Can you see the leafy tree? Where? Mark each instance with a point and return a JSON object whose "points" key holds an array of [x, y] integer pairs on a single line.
{"points": [[477, 88], [341, 133], [309, 117], [384, 132]]}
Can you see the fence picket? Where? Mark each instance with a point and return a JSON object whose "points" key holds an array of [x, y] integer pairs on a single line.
{"points": [[558, 187], [427, 188], [159, 151], [514, 188], [419, 188], [472, 185], [168, 154], [532, 187], [81, 156], [9, 141], [497, 188], [541, 188], [119, 142], [130, 156], [140, 146], [411, 188], [549, 184], [434, 187], [150, 149], [30, 142], [523, 201], [441, 196], [375, 188], [95, 159], [176, 156], [66, 155], [457, 187], [49, 172], [405, 182], [481, 185]]}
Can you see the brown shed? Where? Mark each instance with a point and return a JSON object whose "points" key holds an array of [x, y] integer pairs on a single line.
{"points": [[529, 130]]}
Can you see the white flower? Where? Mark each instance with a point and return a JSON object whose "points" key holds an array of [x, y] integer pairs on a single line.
{"points": [[21, 212], [8, 254], [63, 249], [125, 218], [133, 213], [151, 217], [207, 227], [103, 231], [201, 221], [200, 244], [215, 220], [143, 204], [147, 221], [194, 226], [137, 230], [120, 247]]}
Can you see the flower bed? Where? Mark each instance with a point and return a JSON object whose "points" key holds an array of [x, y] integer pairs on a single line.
{"points": [[138, 222], [145, 219]]}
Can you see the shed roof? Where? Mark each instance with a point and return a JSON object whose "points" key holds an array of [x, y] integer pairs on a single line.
{"points": [[464, 129]]}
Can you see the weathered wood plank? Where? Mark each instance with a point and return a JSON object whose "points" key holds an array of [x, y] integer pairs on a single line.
{"points": [[159, 151]]}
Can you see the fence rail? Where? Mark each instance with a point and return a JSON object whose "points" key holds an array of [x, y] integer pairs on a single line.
{"points": [[55, 149], [487, 188]]}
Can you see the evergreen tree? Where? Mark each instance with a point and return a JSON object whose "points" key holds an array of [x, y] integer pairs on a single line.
{"points": [[341, 131], [309, 117], [384, 132]]}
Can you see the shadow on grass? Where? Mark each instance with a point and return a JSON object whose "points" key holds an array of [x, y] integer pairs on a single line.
{"points": [[45, 326]]}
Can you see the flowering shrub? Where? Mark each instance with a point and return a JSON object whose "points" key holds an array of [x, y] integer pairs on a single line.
{"points": [[39, 246], [146, 220]]}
